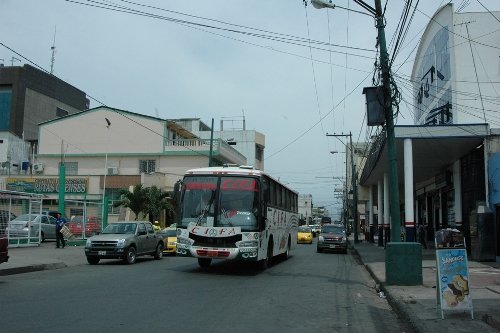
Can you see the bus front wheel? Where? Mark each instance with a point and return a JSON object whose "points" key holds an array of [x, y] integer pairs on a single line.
{"points": [[204, 262], [265, 263]]}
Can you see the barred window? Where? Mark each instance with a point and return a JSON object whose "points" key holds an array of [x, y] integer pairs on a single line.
{"points": [[71, 168], [147, 166]]}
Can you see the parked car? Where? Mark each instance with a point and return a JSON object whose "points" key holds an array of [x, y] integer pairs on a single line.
{"points": [[4, 249], [332, 237], [124, 240], [5, 217], [32, 225], [77, 226], [304, 235], [170, 239]]}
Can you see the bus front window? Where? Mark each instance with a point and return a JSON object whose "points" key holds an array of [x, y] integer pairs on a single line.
{"points": [[238, 203], [198, 200]]}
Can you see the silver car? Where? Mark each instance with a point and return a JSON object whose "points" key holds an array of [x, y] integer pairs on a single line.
{"points": [[32, 225]]}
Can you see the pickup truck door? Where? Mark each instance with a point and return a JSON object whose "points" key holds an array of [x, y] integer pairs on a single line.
{"points": [[151, 239], [146, 240]]}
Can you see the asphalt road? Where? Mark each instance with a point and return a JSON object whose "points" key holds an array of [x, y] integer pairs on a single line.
{"points": [[310, 292]]}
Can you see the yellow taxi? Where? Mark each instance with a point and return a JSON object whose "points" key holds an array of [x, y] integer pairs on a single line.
{"points": [[304, 235], [170, 240]]}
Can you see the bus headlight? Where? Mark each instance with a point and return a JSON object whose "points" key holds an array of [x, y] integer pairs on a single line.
{"points": [[184, 241]]}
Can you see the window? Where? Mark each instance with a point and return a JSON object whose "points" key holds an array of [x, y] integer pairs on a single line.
{"points": [[5, 106], [71, 168], [147, 166]]}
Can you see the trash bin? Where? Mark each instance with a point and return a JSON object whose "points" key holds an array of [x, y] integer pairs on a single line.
{"points": [[482, 233]]}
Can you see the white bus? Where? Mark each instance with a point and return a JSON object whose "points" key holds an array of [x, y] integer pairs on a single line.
{"points": [[235, 213]]}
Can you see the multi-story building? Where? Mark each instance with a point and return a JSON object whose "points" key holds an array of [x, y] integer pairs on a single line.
{"points": [[250, 143], [29, 96], [106, 150], [448, 160], [305, 208]]}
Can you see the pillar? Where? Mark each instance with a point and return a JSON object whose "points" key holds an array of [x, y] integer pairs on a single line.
{"points": [[409, 201], [380, 208], [370, 214], [457, 188], [387, 221]]}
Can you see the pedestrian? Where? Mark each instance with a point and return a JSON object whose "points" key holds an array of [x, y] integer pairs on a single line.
{"points": [[421, 235], [60, 222]]}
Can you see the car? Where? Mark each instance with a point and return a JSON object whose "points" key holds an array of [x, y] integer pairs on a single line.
{"points": [[332, 237], [170, 239], [5, 217], [4, 248], [124, 240], [304, 235], [32, 225], [76, 227], [315, 229]]}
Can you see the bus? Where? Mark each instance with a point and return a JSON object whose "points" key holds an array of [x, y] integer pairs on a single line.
{"points": [[235, 213]]}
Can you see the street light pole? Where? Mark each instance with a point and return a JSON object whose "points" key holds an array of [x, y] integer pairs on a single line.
{"points": [[354, 225]]}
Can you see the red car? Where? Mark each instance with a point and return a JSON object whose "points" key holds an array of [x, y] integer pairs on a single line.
{"points": [[4, 251], [92, 227]]}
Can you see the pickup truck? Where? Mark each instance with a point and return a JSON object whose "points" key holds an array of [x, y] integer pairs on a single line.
{"points": [[124, 240], [4, 249]]}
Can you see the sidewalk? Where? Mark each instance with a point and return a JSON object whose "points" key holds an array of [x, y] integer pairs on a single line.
{"points": [[46, 256], [418, 305]]}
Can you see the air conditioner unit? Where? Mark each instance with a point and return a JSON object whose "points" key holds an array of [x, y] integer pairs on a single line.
{"points": [[38, 167], [112, 170]]}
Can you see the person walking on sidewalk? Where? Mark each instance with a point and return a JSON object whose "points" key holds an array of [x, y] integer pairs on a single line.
{"points": [[60, 222]]}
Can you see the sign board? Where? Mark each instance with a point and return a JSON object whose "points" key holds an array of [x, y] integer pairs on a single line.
{"points": [[453, 276], [47, 185]]}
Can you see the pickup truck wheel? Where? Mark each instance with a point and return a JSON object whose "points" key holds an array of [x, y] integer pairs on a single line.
{"points": [[204, 262], [93, 260], [130, 255], [159, 252]]}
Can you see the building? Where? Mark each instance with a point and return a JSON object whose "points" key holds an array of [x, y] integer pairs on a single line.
{"points": [[448, 160], [305, 206], [107, 150], [29, 96], [249, 143]]}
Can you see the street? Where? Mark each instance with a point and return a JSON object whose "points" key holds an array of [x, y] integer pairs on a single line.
{"points": [[310, 292]]}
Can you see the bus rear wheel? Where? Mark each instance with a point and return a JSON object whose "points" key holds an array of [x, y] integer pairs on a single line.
{"points": [[204, 262]]}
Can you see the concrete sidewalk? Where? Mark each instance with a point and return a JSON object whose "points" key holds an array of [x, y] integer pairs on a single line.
{"points": [[416, 305]]}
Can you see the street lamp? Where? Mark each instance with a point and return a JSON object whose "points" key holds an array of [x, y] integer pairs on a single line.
{"points": [[108, 124]]}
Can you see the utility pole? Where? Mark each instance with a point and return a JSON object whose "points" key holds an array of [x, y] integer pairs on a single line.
{"points": [[354, 225], [389, 120]]}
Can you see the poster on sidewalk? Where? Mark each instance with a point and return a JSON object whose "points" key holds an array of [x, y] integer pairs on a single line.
{"points": [[453, 279]]}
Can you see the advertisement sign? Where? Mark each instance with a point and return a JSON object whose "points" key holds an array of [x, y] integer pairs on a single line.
{"points": [[453, 279], [47, 185]]}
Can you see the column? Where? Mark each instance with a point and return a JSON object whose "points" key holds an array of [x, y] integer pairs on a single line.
{"points": [[409, 210], [387, 222], [370, 214], [380, 208], [457, 188]]}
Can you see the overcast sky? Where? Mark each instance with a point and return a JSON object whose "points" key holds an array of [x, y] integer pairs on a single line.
{"points": [[267, 60]]}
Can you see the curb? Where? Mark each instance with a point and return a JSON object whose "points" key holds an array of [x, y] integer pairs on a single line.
{"points": [[398, 308], [32, 268]]}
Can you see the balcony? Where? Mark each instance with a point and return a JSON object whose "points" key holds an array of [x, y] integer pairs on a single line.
{"points": [[221, 151]]}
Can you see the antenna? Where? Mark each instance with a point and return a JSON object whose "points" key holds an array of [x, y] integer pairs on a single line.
{"points": [[53, 48], [12, 60]]}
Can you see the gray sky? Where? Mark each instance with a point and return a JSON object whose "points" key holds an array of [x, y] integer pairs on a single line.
{"points": [[160, 66]]}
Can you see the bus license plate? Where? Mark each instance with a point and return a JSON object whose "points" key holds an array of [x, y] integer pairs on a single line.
{"points": [[101, 253]]}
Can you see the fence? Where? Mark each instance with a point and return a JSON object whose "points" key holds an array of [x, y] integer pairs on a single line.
{"points": [[26, 218]]}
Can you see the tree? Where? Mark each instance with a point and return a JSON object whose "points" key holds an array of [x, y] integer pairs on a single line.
{"points": [[135, 200], [156, 202]]}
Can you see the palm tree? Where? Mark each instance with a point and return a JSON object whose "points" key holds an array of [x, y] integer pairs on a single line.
{"points": [[135, 200], [156, 202]]}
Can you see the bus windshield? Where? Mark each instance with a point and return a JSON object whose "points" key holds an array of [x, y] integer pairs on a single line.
{"points": [[226, 201]]}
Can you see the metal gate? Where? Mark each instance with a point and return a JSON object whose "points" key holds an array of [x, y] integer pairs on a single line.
{"points": [[21, 219]]}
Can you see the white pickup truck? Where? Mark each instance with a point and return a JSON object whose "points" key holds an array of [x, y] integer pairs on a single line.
{"points": [[124, 240]]}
